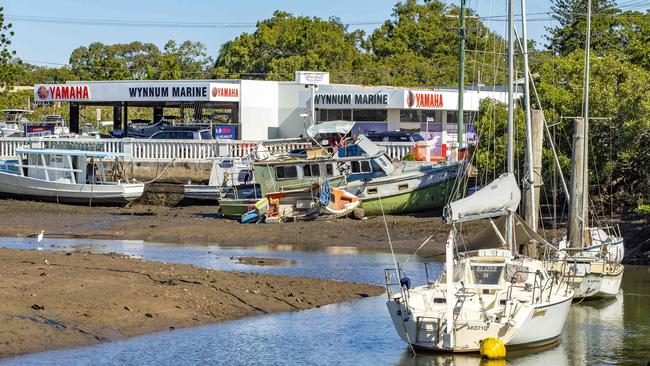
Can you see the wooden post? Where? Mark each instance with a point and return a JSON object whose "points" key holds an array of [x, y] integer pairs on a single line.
{"points": [[575, 196], [537, 129]]}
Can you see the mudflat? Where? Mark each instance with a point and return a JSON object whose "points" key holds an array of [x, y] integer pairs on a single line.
{"points": [[200, 224], [52, 300]]}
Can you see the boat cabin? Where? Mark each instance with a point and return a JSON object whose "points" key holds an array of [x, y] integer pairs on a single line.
{"points": [[65, 166], [284, 174]]}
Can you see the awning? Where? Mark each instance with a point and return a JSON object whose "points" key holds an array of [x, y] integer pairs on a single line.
{"points": [[330, 127]]}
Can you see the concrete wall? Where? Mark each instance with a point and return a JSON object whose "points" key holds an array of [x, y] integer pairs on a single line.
{"points": [[290, 106], [258, 110]]}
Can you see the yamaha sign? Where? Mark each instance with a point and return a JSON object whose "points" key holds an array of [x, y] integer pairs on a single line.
{"points": [[167, 91]]}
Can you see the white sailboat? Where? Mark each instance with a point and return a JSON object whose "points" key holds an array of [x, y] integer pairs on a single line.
{"points": [[488, 293], [590, 255]]}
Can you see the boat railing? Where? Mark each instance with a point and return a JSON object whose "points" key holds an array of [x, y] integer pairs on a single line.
{"points": [[395, 283], [542, 286]]}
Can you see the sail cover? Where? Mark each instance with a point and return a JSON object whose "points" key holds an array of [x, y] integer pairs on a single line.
{"points": [[330, 127], [495, 199]]}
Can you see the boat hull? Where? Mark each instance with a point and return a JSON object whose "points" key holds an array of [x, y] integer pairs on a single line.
{"points": [[597, 285], [201, 192], [538, 326], [17, 186], [421, 199], [235, 208]]}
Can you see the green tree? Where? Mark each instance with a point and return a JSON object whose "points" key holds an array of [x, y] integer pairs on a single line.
{"points": [[189, 60], [118, 61], [620, 93], [7, 70], [286, 43], [419, 46], [571, 17]]}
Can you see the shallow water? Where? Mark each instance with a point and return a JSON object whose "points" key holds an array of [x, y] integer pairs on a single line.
{"points": [[359, 332]]}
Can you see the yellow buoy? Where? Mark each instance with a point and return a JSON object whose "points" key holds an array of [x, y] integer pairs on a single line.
{"points": [[492, 348]]}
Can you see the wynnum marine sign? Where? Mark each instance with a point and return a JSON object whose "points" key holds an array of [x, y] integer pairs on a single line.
{"points": [[163, 91], [352, 99]]}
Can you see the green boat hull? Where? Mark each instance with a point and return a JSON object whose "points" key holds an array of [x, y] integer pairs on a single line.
{"points": [[423, 199], [234, 209]]}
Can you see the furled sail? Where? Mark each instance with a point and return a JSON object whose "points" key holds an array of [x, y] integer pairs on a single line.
{"points": [[495, 199]]}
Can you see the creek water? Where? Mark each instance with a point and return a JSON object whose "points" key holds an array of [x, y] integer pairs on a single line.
{"points": [[360, 332]]}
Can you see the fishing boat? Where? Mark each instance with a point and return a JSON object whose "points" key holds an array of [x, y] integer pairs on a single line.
{"points": [[227, 175], [67, 176], [591, 255], [12, 122], [389, 187]]}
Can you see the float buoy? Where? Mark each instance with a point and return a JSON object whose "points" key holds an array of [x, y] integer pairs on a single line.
{"points": [[492, 348]]}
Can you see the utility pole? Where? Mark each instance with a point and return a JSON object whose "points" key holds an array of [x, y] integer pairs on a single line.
{"points": [[461, 76]]}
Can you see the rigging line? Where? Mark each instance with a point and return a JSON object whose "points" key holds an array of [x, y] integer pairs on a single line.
{"points": [[420, 247], [390, 242]]}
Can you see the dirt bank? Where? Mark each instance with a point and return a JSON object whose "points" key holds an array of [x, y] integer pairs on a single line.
{"points": [[52, 300], [199, 224]]}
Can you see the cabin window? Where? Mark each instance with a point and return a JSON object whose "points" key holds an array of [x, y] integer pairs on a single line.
{"points": [[402, 187], [372, 190], [329, 169], [487, 275], [362, 166], [311, 170], [286, 172]]}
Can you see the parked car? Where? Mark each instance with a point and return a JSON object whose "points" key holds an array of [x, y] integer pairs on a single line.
{"points": [[183, 134], [394, 136]]}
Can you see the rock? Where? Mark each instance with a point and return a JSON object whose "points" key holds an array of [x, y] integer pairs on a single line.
{"points": [[127, 308], [148, 315], [38, 307]]}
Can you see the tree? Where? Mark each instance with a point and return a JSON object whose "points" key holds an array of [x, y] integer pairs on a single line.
{"points": [[620, 93], [286, 43], [569, 33], [189, 60], [419, 46], [113, 62], [7, 70]]}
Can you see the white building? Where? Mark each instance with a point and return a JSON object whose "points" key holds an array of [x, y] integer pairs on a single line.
{"points": [[259, 110]]}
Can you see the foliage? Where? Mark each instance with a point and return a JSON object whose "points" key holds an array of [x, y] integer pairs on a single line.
{"points": [[138, 61], [419, 46], [643, 207], [620, 93], [6, 68], [286, 43]]}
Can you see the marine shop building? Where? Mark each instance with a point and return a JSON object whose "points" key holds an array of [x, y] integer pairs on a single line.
{"points": [[261, 109]]}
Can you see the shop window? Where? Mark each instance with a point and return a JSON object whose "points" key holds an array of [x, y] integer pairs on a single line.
{"points": [[370, 115], [286, 172], [420, 115]]}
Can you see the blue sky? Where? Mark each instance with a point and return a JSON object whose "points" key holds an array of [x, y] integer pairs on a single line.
{"points": [[48, 43]]}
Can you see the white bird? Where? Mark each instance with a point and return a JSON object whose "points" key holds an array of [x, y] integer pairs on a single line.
{"points": [[39, 238]]}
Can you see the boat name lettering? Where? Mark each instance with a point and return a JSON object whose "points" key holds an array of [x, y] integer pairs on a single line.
{"points": [[478, 327]]}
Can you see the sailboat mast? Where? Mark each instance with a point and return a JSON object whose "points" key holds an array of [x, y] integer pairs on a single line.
{"points": [[461, 76], [529, 124], [511, 111], [585, 163]]}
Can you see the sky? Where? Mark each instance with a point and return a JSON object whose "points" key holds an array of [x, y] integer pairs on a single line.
{"points": [[50, 43]]}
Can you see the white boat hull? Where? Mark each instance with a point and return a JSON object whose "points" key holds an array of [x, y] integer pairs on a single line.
{"points": [[30, 188], [201, 192]]}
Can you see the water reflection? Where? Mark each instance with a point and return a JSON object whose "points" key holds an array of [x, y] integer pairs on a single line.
{"points": [[355, 333]]}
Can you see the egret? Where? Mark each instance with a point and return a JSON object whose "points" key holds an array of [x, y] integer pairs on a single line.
{"points": [[39, 238]]}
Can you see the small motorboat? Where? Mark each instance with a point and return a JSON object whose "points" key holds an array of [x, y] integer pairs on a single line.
{"points": [[68, 176]]}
